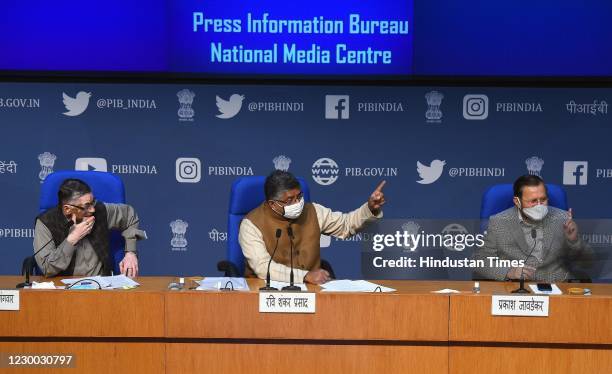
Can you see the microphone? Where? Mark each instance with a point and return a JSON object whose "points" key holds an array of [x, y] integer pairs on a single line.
{"points": [[522, 288], [28, 265], [267, 287], [291, 286]]}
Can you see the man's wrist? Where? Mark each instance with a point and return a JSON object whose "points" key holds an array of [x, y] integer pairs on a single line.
{"points": [[72, 241]]}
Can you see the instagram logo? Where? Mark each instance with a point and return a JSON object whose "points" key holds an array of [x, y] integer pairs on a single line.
{"points": [[188, 170], [475, 107]]}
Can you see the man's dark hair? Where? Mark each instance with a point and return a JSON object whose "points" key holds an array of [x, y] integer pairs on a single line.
{"points": [[526, 180], [71, 189], [278, 182]]}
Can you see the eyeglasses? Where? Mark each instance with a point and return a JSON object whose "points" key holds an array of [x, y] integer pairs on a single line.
{"points": [[543, 200], [291, 200], [86, 206]]}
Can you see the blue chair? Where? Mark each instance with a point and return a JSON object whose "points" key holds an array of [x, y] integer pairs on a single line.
{"points": [[106, 187], [247, 193], [499, 198]]}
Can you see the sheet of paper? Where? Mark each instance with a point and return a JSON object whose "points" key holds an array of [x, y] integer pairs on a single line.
{"points": [[555, 290], [43, 285], [347, 285], [104, 283], [280, 285], [107, 283], [217, 283], [121, 281], [446, 290]]}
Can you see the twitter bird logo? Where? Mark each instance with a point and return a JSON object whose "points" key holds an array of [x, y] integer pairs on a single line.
{"points": [[431, 173], [77, 105], [229, 108]]}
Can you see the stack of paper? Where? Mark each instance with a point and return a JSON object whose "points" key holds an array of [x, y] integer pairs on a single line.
{"points": [[106, 283], [217, 283], [347, 285]]}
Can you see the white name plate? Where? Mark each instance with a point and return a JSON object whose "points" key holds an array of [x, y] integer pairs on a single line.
{"points": [[9, 300], [519, 305], [287, 302]]}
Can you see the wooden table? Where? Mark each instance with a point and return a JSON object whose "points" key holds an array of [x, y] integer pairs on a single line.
{"points": [[153, 330], [576, 337]]}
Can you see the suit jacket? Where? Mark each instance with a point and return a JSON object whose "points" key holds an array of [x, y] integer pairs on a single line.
{"points": [[505, 239]]}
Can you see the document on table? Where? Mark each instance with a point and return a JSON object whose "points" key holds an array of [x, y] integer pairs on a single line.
{"points": [[104, 283], [122, 281], [446, 290], [217, 283], [347, 285], [109, 283]]}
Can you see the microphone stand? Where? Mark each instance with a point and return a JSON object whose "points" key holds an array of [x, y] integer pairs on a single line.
{"points": [[28, 266], [267, 287], [291, 286], [522, 288]]}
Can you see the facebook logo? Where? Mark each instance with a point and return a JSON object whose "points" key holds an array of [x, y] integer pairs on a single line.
{"points": [[575, 173], [336, 106]]}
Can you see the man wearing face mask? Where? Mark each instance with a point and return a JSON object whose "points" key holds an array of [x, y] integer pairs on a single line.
{"points": [[284, 207], [545, 237], [74, 237]]}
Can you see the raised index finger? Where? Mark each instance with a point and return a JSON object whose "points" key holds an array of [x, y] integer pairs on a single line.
{"points": [[380, 186], [570, 214]]}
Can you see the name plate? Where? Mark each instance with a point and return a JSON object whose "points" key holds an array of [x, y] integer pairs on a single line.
{"points": [[287, 302], [515, 305], [9, 300]]}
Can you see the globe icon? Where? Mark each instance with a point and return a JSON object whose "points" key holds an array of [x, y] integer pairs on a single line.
{"points": [[325, 171]]}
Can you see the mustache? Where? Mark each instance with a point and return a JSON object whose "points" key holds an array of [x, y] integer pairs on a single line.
{"points": [[87, 215]]}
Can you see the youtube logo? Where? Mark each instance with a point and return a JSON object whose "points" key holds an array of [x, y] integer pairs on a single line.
{"points": [[90, 164]]}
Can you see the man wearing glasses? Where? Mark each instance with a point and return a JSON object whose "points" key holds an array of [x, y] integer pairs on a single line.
{"points": [[285, 207], [544, 237], [73, 237]]}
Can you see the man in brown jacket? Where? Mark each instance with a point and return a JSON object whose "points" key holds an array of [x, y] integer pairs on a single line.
{"points": [[285, 207]]}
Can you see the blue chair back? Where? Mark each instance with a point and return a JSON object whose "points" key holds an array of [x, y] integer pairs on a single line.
{"points": [[499, 198], [247, 194], [106, 187]]}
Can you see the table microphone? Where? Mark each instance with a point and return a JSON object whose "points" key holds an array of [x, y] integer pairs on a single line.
{"points": [[291, 286], [267, 287], [28, 264], [522, 288]]}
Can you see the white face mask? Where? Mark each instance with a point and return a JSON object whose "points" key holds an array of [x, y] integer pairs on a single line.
{"points": [[293, 211], [536, 213]]}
